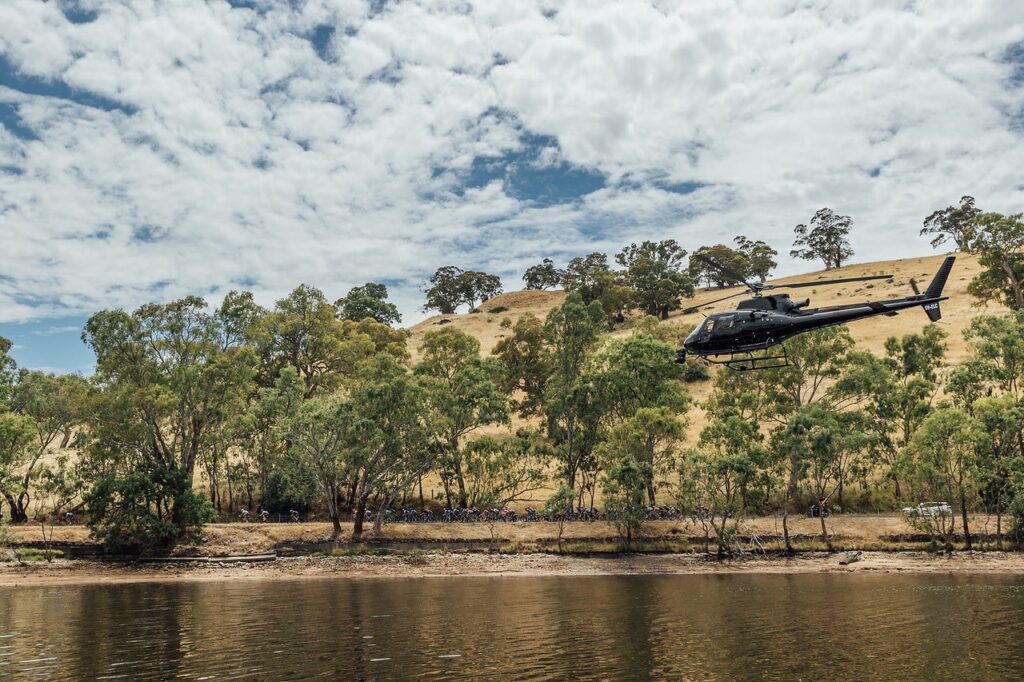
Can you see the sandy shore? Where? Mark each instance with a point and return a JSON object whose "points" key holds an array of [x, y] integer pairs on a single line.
{"points": [[429, 565]]}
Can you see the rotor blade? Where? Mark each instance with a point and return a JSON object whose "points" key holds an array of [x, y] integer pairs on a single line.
{"points": [[722, 269], [695, 308], [823, 282]]}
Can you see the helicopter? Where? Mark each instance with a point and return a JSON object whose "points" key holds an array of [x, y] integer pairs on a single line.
{"points": [[760, 322]]}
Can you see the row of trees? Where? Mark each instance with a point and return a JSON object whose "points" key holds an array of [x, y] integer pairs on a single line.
{"points": [[195, 411]]}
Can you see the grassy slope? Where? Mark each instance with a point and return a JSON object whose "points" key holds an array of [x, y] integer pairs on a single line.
{"points": [[870, 334]]}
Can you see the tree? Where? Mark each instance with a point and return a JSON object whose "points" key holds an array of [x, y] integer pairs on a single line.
{"points": [[817, 360], [714, 475], [760, 257], [826, 238], [17, 437], [368, 301], [823, 444], [445, 294], [701, 270], [572, 406], [500, 471], [526, 364], [54, 405], [478, 286], [543, 276], [303, 332], [593, 280], [898, 391], [393, 443], [320, 434], [452, 287], [637, 372], [1000, 452], [952, 223], [941, 462], [624, 487], [999, 241], [654, 272], [463, 395], [650, 436], [559, 507], [997, 364], [166, 381]]}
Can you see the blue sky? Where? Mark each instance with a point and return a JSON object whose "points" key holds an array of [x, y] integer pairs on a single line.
{"points": [[153, 150]]}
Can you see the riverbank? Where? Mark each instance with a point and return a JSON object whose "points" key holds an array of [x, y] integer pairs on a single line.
{"points": [[848, 532], [451, 564]]}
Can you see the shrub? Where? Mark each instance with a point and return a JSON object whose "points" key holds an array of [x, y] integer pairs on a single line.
{"points": [[141, 511]]}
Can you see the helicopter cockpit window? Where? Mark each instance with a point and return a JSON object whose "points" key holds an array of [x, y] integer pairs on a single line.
{"points": [[709, 325]]}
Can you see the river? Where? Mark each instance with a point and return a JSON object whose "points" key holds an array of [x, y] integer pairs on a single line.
{"points": [[811, 627]]}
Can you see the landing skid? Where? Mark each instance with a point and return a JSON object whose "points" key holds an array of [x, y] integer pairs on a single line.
{"points": [[743, 362]]}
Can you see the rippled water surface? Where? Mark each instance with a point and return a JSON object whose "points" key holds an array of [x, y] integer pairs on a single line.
{"points": [[810, 627]]}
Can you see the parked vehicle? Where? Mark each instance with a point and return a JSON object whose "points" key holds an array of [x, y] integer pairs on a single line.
{"points": [[929, 509]]}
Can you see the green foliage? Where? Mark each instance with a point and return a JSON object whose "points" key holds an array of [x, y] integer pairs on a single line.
{"points": [[451, 287], [526, 364], [146, 510], [543, 276], [572, 403], [653, 270], [169, 381], [999, 241], [500, 471], [825, 239], [760, 258], [952, 223], [594, 281], [941, 463], [368, 301], [559, 507], [702, 271], [624, 487]]}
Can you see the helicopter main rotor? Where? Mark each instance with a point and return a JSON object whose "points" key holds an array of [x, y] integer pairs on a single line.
{"points": [[757, 288]]}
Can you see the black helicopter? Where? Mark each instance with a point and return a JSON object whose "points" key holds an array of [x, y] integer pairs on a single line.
{"points": [[761, 322]]}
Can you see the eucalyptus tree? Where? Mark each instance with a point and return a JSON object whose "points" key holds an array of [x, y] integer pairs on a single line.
{"points": [[898, 391], [941, 460], [542, 276], [165, 380], [954, 223], [500, 471], [999, 242], [572, 401], [393, 441], [463, 395], [55, 406], [825, 238], [654, 271], [714, 474], [526, 364], [368, 301]]}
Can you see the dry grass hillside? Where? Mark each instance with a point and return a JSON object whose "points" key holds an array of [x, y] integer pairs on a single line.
{"points": [[870, 334]]}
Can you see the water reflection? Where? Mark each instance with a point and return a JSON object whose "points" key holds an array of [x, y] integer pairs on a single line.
{"points": [[624, 627]]}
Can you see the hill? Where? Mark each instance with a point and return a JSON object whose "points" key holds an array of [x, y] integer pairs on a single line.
{"points": [[870, 334]]}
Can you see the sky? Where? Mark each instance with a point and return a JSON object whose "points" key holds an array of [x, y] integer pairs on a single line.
{"points": [[151, 149]]}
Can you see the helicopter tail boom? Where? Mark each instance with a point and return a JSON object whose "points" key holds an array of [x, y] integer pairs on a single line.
{"points": [[933, 294]]}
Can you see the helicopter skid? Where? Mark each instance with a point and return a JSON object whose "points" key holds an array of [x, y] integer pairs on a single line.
{"points": [[747, 361]]}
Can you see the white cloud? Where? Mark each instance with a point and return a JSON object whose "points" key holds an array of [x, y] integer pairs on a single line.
{"points": [[248, 158]]}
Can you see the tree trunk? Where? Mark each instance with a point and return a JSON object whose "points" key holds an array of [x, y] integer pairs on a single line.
{"points": [[824, 531], [460, 478], [357, 523], [963, 514]]}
